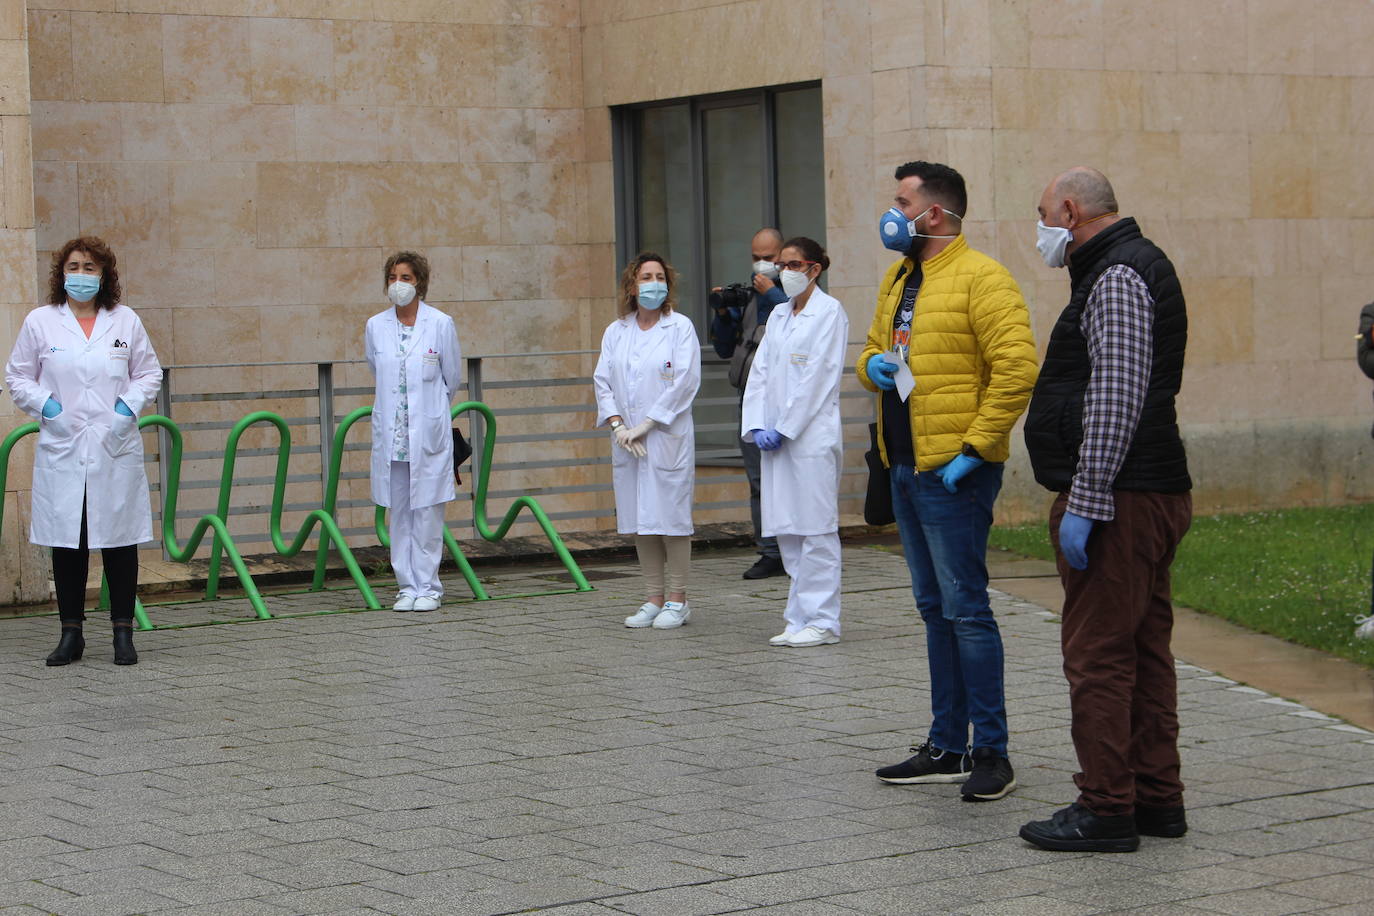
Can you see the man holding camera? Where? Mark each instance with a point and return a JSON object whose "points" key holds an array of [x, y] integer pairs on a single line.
{"points": [[741, 317]]}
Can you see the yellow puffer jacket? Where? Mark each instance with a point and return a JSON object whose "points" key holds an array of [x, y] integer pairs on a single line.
{"points": [[971, 352]]}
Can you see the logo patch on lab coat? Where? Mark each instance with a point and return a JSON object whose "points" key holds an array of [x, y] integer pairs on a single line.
{"points": [[666, 373]]}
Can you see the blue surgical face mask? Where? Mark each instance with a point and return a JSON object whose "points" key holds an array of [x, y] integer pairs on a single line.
{"points": [[81, 287], [652, 295]]}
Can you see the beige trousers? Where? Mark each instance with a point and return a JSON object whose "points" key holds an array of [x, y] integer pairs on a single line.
{"points": [[657, 551]]}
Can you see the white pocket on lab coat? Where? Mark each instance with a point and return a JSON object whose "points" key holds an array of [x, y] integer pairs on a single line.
{"points": [[122, 435], [669, 452], [117, 362], [55, 427], [436, 438], [429, 367]]}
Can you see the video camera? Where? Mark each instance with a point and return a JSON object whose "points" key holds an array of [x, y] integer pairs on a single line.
{"points": [[734, 296]]}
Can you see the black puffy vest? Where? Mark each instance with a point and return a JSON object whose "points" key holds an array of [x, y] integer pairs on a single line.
{"points": [[1155, 461]]}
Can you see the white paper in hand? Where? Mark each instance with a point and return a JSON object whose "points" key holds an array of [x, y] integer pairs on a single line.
{"points": [[904, 379]]}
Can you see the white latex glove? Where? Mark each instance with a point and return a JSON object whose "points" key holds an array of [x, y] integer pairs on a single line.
{"points": [[623, 438], [641, 429]]}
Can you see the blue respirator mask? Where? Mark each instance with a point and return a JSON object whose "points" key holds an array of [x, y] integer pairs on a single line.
{"points": [[898, 232]]}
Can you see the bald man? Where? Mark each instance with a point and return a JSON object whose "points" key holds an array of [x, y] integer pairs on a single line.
{"points": [[736, 334], [1102, 432]]}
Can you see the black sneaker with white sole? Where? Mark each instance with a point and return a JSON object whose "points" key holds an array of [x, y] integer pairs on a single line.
{"points": [[930, 765], [992, 777]]}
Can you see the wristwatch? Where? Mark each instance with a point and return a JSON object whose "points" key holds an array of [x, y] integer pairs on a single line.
{"points": [[616, 424], [970, 451]]}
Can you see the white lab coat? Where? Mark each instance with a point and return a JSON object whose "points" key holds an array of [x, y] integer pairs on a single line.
{"points": [[651, 374], [88, 449], [433, 370], [794, 387]]}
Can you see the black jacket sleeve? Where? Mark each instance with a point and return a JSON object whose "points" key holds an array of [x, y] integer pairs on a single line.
{"points": [[1364, 347]]}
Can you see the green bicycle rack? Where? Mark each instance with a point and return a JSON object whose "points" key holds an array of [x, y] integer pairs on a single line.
{"points": [[222, 542], [479, 507], [209, 522], [329, 529]]}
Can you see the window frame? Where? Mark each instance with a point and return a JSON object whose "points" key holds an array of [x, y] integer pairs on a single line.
{"points": [[625, 166]]}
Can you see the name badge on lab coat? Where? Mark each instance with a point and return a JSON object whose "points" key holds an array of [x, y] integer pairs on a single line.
{"points": [[799, 359], [431, 359], [667, 373]]}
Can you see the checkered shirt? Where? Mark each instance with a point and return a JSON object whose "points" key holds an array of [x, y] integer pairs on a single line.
{"points": [[1118, 323]]}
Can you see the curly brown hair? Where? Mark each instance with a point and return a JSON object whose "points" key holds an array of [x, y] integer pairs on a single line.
{"points": [[110, 291], [418, 264], [629, 285]]}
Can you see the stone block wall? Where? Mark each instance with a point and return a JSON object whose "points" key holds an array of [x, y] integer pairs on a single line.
{"points": [[254, 162]]}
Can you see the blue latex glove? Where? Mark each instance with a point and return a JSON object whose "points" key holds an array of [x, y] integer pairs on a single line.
{"points": [[767, 439], [1073, 539], [122, 409], [51, 408], [881, 372], [955, 471]]}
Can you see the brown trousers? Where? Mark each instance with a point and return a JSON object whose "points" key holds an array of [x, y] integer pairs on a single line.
{"points": [[1117, 623]]}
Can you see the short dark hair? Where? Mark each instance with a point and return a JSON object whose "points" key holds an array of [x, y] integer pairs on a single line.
{"points": [[939, 182], [110, 292], [811, 249], [418, 265]]}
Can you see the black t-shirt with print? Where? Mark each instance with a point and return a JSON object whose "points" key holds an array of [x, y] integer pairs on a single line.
{"points": [[896, 412]]}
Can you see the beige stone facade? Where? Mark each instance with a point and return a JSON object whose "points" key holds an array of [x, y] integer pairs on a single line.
{"points": [[253, 161]]}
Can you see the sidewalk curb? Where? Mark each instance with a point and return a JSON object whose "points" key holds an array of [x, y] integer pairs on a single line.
{"points": [[272, 571]]}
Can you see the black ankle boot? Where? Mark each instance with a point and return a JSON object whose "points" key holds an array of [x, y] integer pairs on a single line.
{"points": [[124, 653], [69, 647]]}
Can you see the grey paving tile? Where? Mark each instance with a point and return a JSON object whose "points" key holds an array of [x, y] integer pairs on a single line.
{"points": [[1335, 888], [682, 901], [481, 761], [1259, 902], [1030, 905]]}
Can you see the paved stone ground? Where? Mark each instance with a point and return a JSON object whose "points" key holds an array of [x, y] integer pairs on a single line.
{"points": [[532, 754]]}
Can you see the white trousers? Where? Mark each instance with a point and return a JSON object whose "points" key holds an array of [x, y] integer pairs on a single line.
{"points": [[813, 562], [417, 538]]}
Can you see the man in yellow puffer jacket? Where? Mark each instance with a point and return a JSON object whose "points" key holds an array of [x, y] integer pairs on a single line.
{"points": [[958, 320]]}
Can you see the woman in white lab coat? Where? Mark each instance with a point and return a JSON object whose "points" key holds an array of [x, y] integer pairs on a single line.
{"points": [[415, 357], [792, 412], [646, 377], [83, 367]]}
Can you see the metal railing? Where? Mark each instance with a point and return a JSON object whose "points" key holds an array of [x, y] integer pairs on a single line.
{"points": [[547, 455]]}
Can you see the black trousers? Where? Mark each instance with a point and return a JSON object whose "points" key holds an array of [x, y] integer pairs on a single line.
{"points": [[70, 567]]}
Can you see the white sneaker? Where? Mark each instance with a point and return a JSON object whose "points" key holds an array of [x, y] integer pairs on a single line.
{"points": [[675, 614], [781, 639], [644, 616], [1365, 630], [811, 636], [426, 603], [404, 603]]}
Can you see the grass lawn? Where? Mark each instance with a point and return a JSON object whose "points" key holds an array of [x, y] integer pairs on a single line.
{"points": [[1302, 574]]}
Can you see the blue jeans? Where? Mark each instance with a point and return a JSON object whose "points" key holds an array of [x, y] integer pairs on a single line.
{"points": [[945, 538]]}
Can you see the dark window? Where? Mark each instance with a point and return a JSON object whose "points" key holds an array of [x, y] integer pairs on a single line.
{"points": [[695, 179]]}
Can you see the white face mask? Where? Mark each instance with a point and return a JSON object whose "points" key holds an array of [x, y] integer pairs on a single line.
{"points": [[766, 269], [794, 283], [400, 294], [1051, 241]]}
